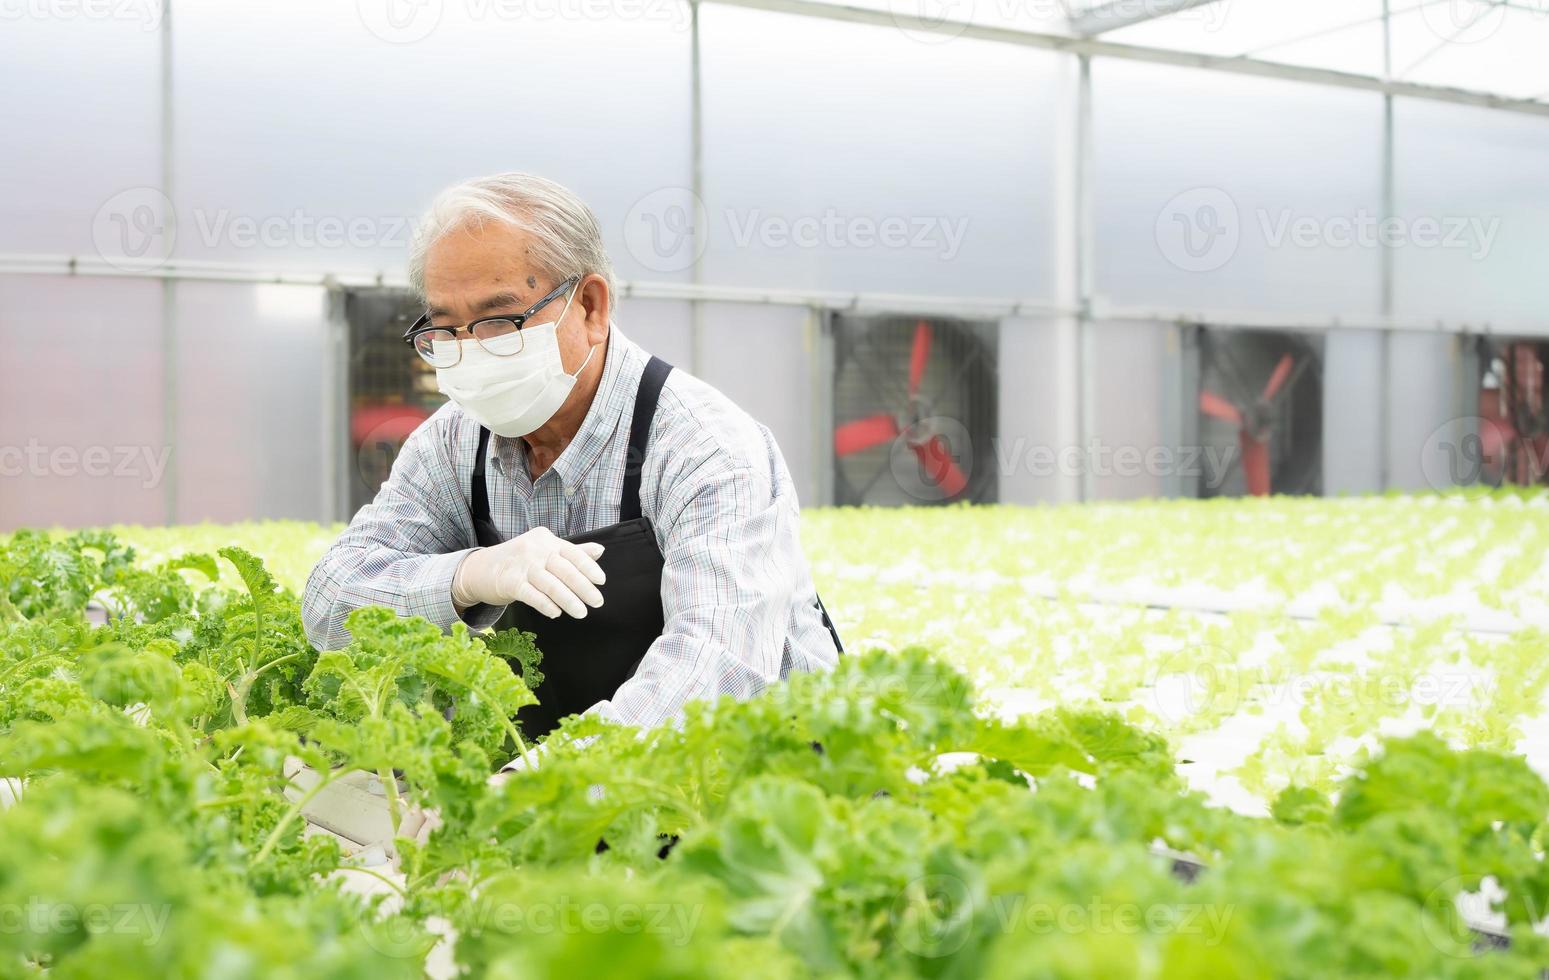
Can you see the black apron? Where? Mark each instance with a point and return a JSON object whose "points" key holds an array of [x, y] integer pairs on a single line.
{"points": [[586, 660]]}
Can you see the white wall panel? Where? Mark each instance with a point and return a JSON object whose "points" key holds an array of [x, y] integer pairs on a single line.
{"points": [[1472, 193], [251, 409], [1132, 454], [1031, 427], [841, 156], [661, 326], [81, 437], [761, 357], [1352, 412], [1235, 194], [313, 133], [79, 127]]}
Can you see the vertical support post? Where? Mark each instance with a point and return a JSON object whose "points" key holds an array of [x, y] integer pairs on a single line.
{"points": [[1067, 360], [1085, 249], [337, 462], [697, 186], [1389, 207], [820, 348], [169, 373]]}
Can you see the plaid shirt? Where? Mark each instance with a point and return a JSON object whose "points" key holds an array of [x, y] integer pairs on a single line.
{"points": [[738, 600]]}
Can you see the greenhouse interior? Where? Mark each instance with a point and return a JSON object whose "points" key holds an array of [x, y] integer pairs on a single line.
{"points": [[774, 488]]}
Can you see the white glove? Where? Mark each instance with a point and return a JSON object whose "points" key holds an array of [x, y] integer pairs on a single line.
{"points": [[546, 572]]}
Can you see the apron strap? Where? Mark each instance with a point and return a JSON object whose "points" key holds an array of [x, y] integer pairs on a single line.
{"points": [[651, 381], [483, 527]]}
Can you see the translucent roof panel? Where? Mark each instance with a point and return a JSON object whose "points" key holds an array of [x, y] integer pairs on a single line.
{"points": [[1345, 35], [1491, 46]]}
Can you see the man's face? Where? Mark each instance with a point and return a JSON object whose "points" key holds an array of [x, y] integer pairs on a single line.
{"points": [[481, 272]]}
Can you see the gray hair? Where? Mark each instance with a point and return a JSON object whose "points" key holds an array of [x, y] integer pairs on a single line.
{"points": [[567, 240]]}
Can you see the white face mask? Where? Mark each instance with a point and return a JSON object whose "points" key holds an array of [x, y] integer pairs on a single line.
{"points": [[516, 394]]}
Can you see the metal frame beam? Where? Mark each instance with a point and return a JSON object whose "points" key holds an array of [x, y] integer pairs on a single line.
{"points": [[1119, 14], [1096, 48], [169, 352], [1386, 296], [868, 302]]}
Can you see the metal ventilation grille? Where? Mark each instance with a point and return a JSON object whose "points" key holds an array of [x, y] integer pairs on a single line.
{"points": [[1512, 444], [390, 389], [916, 409], [1260, 406]]}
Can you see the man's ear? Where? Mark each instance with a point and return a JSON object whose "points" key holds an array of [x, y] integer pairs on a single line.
{"points": [[596, 305]]}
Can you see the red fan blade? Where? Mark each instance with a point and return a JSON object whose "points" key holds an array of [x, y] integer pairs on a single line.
{"points": [[1255, 464], [938, 465], [1217, 407], [1281, 372], [863, 434], [918, 356]]}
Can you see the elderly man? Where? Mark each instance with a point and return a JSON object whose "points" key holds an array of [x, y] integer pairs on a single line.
{"points": [[633, 517]]}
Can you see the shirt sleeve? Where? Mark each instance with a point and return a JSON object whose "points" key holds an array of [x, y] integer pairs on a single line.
{"points": [[400, 551], [732, 567]]}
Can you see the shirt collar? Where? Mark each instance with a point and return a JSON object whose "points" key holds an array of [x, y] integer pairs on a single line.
{"points": [[621, 371]]}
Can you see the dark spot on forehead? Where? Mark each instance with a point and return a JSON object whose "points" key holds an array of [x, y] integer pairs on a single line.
{"points": [[532, 282]]}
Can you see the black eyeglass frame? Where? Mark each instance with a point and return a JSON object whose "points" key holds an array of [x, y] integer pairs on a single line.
{"points": [[423, 324]]}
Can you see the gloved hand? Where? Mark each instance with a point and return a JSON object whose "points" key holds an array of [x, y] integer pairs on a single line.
{"points": [[546, 572]]}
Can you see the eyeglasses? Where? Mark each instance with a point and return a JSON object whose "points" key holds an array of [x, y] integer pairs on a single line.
{"points": [[441, 347]]}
